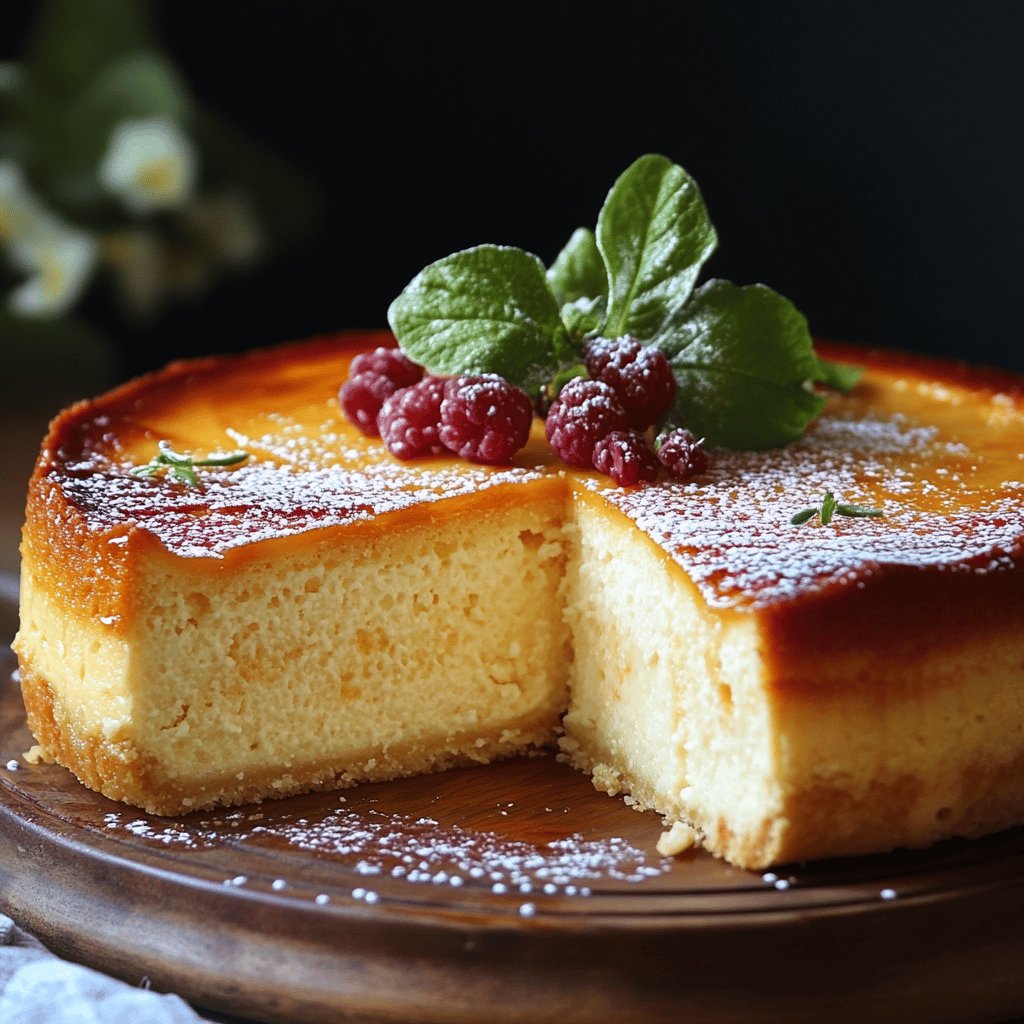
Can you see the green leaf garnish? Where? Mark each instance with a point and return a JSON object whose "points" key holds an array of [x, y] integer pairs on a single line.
{"points": [[742, 359], [654, 234], [803, 515], [583, 317], [843, 377], [483, 310], [578, 271], [554, 386], [858, 511], [830, 507], [181, 467]]}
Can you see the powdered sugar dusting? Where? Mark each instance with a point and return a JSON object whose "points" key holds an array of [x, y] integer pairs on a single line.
{"points": [[417, 851], [267, 500], [730, 529]]}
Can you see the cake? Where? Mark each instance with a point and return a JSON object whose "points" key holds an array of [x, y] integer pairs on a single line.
{"points": [[323, 614]]}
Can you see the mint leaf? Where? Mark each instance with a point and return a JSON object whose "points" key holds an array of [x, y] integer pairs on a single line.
{"points": [[654, 235], [560, 379], [742, 357], [483, 310], [843, 377], [743, 361], [578, 271], [583, 317]]}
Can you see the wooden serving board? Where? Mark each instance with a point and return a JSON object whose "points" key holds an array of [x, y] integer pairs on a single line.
{"points": [[510, 893]]}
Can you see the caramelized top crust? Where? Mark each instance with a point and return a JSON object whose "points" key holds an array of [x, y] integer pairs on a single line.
{"points": [[942, 462], [936, 445]]}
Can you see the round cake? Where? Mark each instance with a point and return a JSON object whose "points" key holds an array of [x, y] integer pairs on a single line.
{"points": [[322, 613]]}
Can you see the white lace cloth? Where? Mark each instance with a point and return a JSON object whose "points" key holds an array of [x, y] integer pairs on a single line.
{"points": [[37, 987]]}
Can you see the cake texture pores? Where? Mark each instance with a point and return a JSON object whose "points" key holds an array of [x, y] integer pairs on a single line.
{"points": [[309, 668], [324, 614]]}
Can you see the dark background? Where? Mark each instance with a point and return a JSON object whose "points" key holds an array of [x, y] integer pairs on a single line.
{"points": [[866, 159]]}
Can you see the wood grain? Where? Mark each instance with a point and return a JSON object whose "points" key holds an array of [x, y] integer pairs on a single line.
{"points": [[264, 912]]}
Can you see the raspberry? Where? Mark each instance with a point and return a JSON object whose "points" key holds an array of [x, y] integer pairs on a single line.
{"points": [[683, 455], [362, 396], [583, 413], [374, 377], [626, 457], [410, 419], [390, 363], [484, 418], [640, 375]]}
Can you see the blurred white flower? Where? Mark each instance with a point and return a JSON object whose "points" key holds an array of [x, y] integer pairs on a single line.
{"points": [[60, 265], [19, 208], [149, 165], [212, 234], [57, 258]]}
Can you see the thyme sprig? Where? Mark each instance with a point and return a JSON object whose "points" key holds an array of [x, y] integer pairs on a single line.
{"points": [[182, 467], [830, 507]]}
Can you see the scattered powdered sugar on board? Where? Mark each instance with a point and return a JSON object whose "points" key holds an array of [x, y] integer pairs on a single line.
{"points": [[417, 850]]}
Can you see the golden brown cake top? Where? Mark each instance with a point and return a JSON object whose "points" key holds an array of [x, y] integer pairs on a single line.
{"points": [[936, 446], [942, 459], [308, 467]]}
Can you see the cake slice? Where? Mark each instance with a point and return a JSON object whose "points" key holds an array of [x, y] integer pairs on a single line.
{"points": [[324, 614], [320, 616]]}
